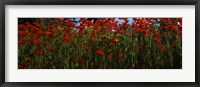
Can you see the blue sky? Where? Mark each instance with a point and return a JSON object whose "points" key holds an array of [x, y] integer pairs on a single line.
{"points": [[130, 21]]}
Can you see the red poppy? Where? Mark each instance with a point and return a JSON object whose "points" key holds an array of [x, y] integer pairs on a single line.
{"points": [[87, 48], [100, 52], [74, 32], [94, 34], [67, 39], [93, 39], [81, 45], [42, 19], [48, 33], [114, 40], [96, 27], [56, 19], [62, 19], [21, 65], [157, 39], [37, 24], [161, 47], [50, 48], [39, 52], [73, 43], [164, 33], [109, 57], [40, 32], [22, 33], [138, 47], [103, 37], [80, 59], [156, 33], [36, 41], [174, 43], [180, 21], [147, 33], [122, 31], [179, 32], [59, 42]]}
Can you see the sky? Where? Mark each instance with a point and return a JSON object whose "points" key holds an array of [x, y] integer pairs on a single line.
{"points": [[130, 21]]}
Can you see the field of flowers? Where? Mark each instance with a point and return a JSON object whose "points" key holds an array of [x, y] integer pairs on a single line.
{"points": [[103, 43]]}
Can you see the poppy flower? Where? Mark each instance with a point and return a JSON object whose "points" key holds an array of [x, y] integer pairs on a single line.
{"points": [[114, 30], [22, 33], [81, 45], [100, 52], [157, 39], [36, 41], [40, 32], [179, 32], [87, 48], [173, 43], [48, 33], [156, 33], [164, 33], [103, 37], [96, 27], [56, 19], [161, 47], [21, 65], [114, 40], [73, 32], [42, 19], [80, 59], [94, 34], [62, 19], [109, 57], [122, 31], [50, 48], [147, 33], [73, 43], [67, 39], [37, 24], [39, 52], [93, 39]]}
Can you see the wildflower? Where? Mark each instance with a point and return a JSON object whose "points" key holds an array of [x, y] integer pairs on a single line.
{"points": [[100, 52], [81, 45], [109, 57], [80, 59], [94, 34], [67, 39], [161, 47], [103, 37], [74, 32], [87, 48], [156, 33], [21, 65], [157, 39], [40, 32], [93, 39], [114, 40], [36, 41], [122, 31], [164, 33], [22, 33], [113, 30], [39, 52], [50, 48], [37, 24], [48, 33], [179, 32]]}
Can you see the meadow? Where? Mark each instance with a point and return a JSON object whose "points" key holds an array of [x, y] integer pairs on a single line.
{"points": [[101, 43]]}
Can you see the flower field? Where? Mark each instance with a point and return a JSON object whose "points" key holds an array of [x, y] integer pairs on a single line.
{"points": [[100, 43]]}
